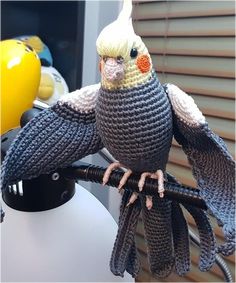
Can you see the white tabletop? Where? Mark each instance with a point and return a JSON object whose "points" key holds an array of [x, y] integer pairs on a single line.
{"points": [[72, 242]]}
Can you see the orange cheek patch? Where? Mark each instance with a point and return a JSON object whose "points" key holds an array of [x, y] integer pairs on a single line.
{"points": [[143, 63]]}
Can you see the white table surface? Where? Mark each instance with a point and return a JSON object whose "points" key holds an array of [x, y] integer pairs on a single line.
{"points": [[71, 243]]}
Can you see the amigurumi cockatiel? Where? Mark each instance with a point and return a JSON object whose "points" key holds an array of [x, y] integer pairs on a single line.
{"points": [[135, 117]]}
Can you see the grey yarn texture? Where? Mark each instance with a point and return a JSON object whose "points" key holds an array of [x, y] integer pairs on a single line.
{"points": [[180, 240], [136, 125], [125, 255], [166, 235], [53, 139], [158, 234], [207, 238], [214, 169]]}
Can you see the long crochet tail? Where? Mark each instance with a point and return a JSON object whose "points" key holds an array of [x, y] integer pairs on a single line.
{"points": [[180, 240], [124, 255], [180, 236], [158, 234]]}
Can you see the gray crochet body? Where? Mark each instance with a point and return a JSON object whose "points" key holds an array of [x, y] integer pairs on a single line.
{"points": [[53, 139], [135, 125]]}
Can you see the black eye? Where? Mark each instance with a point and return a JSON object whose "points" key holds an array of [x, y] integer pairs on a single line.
{"points": [[133, 53]]}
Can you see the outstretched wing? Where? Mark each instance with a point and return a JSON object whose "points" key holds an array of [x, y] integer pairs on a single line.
{"points": [[54, 138], [212, 164]]}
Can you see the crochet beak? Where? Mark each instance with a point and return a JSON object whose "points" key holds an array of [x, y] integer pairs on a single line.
{"points": [[113, 70]]}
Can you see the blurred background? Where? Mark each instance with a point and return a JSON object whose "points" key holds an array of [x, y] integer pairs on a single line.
{"points": [[192, 44]]}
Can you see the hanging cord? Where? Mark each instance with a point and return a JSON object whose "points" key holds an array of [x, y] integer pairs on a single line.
{"points": [[166, 37], [2, 214]]}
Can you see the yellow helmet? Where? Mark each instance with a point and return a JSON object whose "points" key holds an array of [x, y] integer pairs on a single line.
{"points": [[20, 77]]}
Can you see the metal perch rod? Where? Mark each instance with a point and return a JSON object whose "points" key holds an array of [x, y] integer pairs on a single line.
{"points": [[173, 191]]}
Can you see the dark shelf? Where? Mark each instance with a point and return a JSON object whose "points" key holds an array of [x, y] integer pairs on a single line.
{"points": [[60, 25]]}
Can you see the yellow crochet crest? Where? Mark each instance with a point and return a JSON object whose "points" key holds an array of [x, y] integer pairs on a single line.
{"points": [[117, 39]]}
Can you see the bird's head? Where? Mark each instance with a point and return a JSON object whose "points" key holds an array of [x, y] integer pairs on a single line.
{"points": [[124, 58]]}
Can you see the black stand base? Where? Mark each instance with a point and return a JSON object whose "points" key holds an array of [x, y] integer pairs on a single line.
{"points": [[39, 194]]}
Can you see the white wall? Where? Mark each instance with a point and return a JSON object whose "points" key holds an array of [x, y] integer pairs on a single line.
{"points": [[98, 14]]}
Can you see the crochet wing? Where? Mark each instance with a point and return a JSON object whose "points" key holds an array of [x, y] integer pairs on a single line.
{"points": [[54, 138], [212, 165]]}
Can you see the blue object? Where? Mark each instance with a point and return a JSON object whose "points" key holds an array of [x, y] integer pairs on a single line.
{"points": [[40, 47]]}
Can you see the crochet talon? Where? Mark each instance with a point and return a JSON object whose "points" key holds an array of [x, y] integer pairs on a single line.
{"points": [[132, 199], [124, 179], [157, 175], [108, 172]]}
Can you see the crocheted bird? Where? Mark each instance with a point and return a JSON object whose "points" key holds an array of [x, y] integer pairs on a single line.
{"points": [[135, 117]]}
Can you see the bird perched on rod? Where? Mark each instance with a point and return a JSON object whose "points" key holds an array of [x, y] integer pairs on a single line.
{"points": [[135, 117]]}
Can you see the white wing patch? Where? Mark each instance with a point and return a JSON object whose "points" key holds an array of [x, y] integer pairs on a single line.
{"points": [[184, 106], [82, 100]]}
